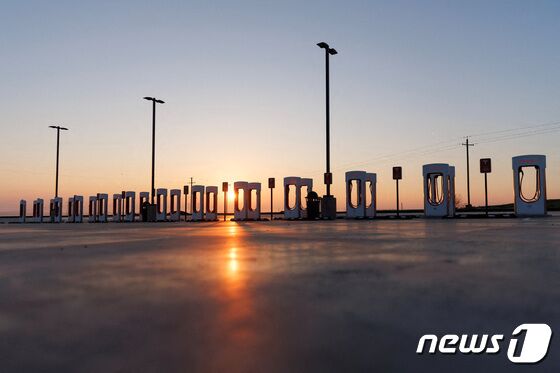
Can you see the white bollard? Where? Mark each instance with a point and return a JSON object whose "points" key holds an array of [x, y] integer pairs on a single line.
{"points": [[197, 203], [211, 203], [240, 208], [129, 205], [38, 210], [175, 204], [56, 210], [102, 207], [254, 201], [292, 189], [92, 209], [117, 207], [22, 211], [533, 203], [439, 190], [161, 204]]}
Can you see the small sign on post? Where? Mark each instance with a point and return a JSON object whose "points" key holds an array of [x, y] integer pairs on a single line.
{"points": [[271, 185], [486, 168], [328, 178], [485, 165], [397, 175]]}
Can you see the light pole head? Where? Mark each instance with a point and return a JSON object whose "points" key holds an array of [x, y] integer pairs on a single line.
{"points": [[323, 45], [332, 51], [154, 100], [59, 128]]}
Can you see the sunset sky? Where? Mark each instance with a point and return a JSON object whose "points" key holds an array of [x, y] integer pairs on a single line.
{"points": [[243, 83]]}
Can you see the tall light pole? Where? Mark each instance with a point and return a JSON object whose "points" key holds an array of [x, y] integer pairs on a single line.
{"points": [[329, 201], [58, 129], [154, 101]]}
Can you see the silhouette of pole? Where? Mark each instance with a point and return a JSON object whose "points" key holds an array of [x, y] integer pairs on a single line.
{"points": [[466, 144], [328, 52], [486, 193], [58, 128], [398, 198], [154, 101]]}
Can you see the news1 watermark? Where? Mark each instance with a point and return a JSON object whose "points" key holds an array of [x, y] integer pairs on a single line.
{"points": [[528, 344]]}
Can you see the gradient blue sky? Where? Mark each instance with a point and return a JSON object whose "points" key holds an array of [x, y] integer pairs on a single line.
{"points": [[244, 86]]}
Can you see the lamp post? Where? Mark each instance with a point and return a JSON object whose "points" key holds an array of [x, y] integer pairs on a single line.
{"points": [[154, 101], [58, 129], [329, 204]]}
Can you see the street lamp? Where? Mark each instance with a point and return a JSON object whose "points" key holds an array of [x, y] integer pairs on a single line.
{"points": [[329, 202], [154, 101], [58, 129]]}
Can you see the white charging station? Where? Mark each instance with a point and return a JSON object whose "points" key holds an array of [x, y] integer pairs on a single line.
{"points": [[92, 209], [56, 210], [439, 190], [161, 204], [370, 195], [102, 207], [306, 183], [38, 206], [292, 192], [211, 203], [355, 194], [22, 211], [70, 210], [75, 209], [197, 203], [174, 204], [240, 208], [117, 207], [534, 202], [129, 205], [254, 201]]}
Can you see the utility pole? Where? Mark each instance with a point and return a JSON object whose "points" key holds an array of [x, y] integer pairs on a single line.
{"points": [[466, 145], [57, 128], [191, 183]]}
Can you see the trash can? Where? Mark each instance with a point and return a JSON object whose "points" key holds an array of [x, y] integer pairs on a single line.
{"points": [[313, 204], [148, 212]]}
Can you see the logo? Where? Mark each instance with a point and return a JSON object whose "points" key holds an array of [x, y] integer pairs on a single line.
{"points": [[528, 343]]}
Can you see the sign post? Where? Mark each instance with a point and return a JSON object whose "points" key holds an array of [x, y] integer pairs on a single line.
{"points": [[397, 175], [271, 185], [225, 190], [486, 168]]}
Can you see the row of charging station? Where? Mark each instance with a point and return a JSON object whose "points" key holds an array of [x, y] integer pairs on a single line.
{"points": [[361, 198], [439, 187]]}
